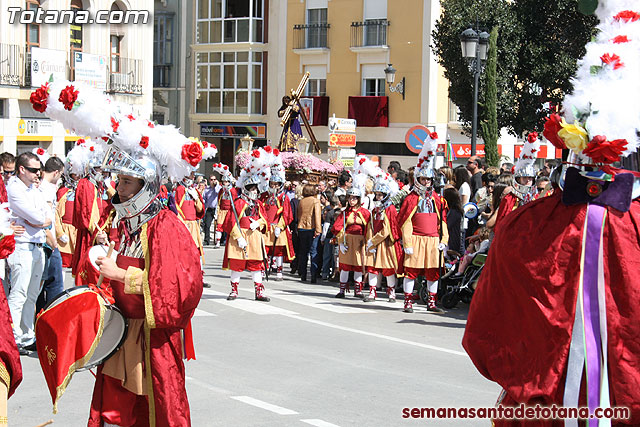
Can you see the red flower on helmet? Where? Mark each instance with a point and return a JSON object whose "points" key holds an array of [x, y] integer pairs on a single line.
{"points": [[433, 135], [362, 160], [276, 152], [267, 149], [225, 167], [551, 128], [39, 98], [192, 153], [144, 142], [92, 148], [205, 144], [620, 39], [114, 125], [105, 138], [602, 151], [532, 137], [68, 96], [80, 141], [150, 124], [627, 15], [130, 117], [40, 151], [612, 60], [256, 154]]}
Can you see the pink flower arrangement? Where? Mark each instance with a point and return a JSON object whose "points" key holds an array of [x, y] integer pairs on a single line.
{"points": [[299, 162]]}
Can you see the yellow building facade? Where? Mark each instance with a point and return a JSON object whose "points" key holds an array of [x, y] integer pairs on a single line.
{"points": [[346, 45]]}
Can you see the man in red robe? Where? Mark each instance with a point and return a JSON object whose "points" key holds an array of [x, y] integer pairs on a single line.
{"points": [[524, 317], [278, 239], [93, 215], [190, 208], [157, 283]]}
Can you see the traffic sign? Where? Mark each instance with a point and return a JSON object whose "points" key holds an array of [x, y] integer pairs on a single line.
{"points": [[415, 137]]}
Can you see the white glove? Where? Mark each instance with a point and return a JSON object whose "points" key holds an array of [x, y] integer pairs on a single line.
{"points": [[242, 243], [277, 231], [408, 251], [254, 224], [372, 250], [369, 244], [442, 247], [64, 239], [193, 193], [343, 248]]}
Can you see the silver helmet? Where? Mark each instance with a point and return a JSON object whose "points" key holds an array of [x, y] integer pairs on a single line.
{"points": [[249, 181], [278, 178], [67, 172], [529, 172], [425, 172], [144, 205], [354, 191], [382, 186]]}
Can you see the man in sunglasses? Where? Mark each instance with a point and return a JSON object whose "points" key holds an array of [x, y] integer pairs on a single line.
{"points": [[26, 263]]}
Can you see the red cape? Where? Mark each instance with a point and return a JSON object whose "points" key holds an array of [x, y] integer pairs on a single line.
{"points": [[411, 201], [520, 322]]}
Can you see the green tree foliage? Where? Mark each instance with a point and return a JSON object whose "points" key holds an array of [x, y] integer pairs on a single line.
{"points": [[490, 130], [537, 51]]}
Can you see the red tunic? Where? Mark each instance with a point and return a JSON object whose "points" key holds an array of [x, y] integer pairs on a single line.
{"points": [[89, 208], [175, 288], [520, 323], [187, 206], [278, 213], [3, 192], [508, 204]]}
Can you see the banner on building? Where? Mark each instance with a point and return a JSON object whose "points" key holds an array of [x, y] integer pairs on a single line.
{"points": [[91, 69], [45, 62]]}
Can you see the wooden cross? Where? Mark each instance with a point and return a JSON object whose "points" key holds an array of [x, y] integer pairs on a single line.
{"points": [[295, 100]]}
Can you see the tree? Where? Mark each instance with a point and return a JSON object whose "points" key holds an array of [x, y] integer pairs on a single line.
{"points": [[490, 130], [537, 51]]}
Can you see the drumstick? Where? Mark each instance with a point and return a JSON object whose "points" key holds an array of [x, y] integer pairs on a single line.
{"points": [[45, 424], [109, 252]]}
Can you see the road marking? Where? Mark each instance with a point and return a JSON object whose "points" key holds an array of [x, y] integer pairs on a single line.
{"points": [[207, 386], [319, 423], [202, 313], [371, 334], [264, 405], [319, 303], [255, 307]]}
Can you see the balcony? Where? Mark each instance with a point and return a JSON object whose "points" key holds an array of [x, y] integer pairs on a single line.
{"points": [[371, 33], [13, 67], [310, 36], [127, 76]]}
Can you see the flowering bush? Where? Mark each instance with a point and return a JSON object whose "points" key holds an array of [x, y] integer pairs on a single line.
{"points": [[299, 161]]}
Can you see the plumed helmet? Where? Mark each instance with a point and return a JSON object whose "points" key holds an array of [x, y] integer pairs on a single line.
{"points": [[355, 191]]}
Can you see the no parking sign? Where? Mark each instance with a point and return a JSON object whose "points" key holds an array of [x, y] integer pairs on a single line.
{"points": [[415, 137]]}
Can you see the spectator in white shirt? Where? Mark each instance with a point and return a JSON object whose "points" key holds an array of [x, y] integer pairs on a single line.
{"points": [[26, 263], [53, 278]]}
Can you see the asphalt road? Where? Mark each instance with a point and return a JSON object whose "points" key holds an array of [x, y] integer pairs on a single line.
{"points": [[303, 359]]}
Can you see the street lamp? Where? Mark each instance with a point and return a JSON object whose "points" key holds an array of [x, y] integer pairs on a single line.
{"points": [[390, 76], [302, 145], [246, 143], [474, 47]]}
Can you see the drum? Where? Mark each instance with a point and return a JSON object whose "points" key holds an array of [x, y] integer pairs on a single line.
{"points": [[98, 251], [114, 329]]}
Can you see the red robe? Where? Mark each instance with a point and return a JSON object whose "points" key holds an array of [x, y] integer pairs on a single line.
{"points": [[67, 258], [520, 323], [377, 224], [89, 208], [278, 211], [508, 204], [411, 201], [255, 241], [187, 207], [172, 295], [10, 367]]}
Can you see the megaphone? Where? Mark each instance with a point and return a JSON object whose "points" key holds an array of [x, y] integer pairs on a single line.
{"points": [[470, 210]]}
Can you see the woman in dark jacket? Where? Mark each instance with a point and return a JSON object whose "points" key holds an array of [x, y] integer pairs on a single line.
{"points": [[455, 218]]}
